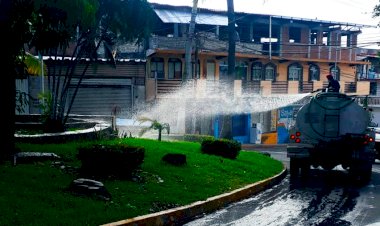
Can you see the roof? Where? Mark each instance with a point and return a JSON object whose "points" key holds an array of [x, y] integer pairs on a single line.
{"points": [[183, 17], [182, 14]]}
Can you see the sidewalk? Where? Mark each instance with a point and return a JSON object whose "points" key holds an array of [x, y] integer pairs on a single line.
{"points": [[262, 146]]}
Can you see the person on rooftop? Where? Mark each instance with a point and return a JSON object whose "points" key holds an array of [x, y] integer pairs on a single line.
{"points": [[334, 85]]}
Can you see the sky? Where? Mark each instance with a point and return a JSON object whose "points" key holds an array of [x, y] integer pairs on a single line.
{"points": [[351, 11]]}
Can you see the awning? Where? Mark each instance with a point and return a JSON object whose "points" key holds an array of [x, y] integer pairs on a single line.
{"points": [[182, 17]]}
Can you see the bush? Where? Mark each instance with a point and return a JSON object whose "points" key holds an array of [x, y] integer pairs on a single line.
{"points": [[197, 137], [175, 159], [221, 147], [102, 160]]}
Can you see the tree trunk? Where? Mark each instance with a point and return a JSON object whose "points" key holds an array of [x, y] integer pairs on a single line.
{"points": [[159, 134], [8, 87], [8, 94], [189, 42]]}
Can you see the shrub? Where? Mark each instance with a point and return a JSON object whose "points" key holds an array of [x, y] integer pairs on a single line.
{"points": [[197, 137], [118, 160], [174, 159], [221, 147]]}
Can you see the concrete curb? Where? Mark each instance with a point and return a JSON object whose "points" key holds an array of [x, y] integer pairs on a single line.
{"points": [[183, 214]]}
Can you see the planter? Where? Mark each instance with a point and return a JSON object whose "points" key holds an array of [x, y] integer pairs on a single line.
{"points": [[78, 128]]}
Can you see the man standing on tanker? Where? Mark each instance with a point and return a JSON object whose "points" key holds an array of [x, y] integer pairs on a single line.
{"points": [[334, 85]]}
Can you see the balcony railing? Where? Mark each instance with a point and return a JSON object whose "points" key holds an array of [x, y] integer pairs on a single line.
{"points": [[306, 87], [350, 87], [207, 43], [371, 101], [279, 87], [207, 87], [165, 87], [251, 87]]}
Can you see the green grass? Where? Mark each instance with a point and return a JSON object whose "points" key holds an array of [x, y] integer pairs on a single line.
{"points": [[34, 194]]}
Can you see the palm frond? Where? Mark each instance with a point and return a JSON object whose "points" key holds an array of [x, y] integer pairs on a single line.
{"points": [[166, 126], [33, 65], [143, 131], [144, 119]]}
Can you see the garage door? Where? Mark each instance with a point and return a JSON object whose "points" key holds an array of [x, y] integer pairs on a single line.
{"points": [[100, 96]]}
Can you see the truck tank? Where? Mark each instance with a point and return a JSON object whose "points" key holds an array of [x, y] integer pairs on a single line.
{"points": [[330, 116], [331, 130]]}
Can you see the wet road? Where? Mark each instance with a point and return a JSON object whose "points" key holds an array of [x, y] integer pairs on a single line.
{"points": [[324, 198]]}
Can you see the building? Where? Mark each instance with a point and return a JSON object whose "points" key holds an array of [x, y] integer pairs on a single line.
{"points": [[275, 55], [371, 73]]}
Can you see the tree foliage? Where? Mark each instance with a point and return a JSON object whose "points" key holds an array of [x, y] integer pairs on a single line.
{"points": [[92, 25], [48, 27]]}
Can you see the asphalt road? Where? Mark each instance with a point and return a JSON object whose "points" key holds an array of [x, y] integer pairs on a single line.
{"points": [[324, 198]]}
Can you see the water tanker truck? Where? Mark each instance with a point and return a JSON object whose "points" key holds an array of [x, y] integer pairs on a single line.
{"points": [[330, 130]]}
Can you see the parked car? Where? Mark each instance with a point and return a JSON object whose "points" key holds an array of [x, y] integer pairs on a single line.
{"points": [[377, 140]]}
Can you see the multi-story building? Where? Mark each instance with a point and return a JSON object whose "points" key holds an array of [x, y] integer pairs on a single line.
{"points": [[371, 73], [275, 55]]}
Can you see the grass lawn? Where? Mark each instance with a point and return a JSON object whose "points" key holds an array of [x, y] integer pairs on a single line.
{"points": [[34, 194]]}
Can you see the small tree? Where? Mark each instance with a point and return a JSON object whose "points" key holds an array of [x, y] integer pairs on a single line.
{"points": [[155, 125]]}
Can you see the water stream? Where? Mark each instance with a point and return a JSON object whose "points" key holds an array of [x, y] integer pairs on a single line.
{"points": [[172, 108]]}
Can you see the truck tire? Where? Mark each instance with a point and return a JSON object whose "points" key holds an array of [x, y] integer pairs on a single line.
{"points": [[361, 171], [366, 172], [294, 166]]}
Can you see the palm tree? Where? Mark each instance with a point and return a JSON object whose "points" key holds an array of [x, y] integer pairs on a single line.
{"points": [[154, 125]]}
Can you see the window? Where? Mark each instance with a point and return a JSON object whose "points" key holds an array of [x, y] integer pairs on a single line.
{"points": [[295, 34], [175, 69], [313, 38], [210, 71], [373, 88], [241, 70], [295, 72], [270, 72], [314, 73], [335, 71], [257, 71], [157, 68]]}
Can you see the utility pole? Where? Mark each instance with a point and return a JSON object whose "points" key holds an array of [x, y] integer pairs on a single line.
{"points": [[189, 42], [226, 131], [231, 40], [270, 38], [335, 74]]}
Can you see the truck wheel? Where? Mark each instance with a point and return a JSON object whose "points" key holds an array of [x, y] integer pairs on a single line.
{"points": [[366, 173], [305, 168], [361, 171], [294, 167]]}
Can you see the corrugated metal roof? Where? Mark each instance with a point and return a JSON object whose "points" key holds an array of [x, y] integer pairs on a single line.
{"points": [[182, 17]]}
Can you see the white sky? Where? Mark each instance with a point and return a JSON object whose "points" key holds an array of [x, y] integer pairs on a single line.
{"points": [[351, 11]]}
